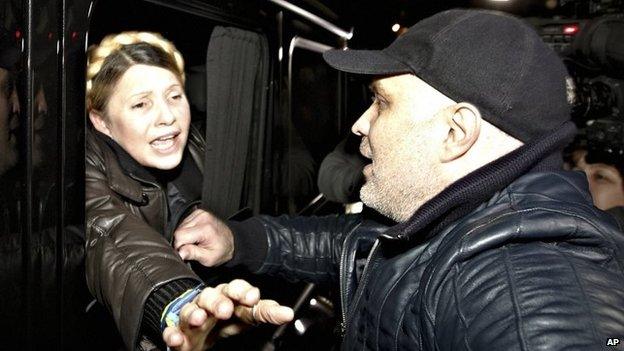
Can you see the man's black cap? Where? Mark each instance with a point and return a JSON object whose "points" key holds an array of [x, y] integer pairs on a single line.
{"points": [[490, 59]]}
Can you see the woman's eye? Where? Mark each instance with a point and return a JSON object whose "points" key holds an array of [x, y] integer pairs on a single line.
{"points": [[177, 97], [601, 177], [139, 105]]}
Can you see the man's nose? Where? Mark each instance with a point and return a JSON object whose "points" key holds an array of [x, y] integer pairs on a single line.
{"points": [[362, 125]]}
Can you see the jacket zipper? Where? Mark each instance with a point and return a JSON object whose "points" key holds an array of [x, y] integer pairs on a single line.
{"points": [[344, 291], [359, 290]]}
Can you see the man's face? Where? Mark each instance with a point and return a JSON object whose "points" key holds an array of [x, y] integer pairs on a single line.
{"points": [[149, 116], [605, 181], [8, 125], [402, 134]]}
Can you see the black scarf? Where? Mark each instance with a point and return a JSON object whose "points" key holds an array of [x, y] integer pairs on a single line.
{"points": [[466, 194]]}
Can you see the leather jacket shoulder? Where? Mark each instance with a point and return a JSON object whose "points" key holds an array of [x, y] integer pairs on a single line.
{"points": [[536, 266], [127, 254]]}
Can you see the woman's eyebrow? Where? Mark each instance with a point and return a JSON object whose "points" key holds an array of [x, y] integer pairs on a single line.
{"points": [[138, 93], [145, 92]]}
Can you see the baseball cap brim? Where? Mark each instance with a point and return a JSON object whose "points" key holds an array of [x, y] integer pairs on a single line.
{"points": [[371, 62]]}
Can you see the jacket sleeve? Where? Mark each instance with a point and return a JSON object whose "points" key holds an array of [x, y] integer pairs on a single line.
{"points": [[529, 296], [295, 248], [126, 259]]}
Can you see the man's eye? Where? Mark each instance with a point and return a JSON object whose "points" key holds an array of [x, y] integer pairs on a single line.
{"points": [[381, 103], [177, 97]]}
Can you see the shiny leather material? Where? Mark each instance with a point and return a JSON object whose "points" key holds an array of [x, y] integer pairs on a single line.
{"points": [[127, 254], [536, 267]]}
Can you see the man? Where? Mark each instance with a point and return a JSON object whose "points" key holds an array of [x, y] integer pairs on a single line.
{"points": [[495, 249]]}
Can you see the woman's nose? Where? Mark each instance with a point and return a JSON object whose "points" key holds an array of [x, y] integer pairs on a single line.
{"points": [[166, 115]]}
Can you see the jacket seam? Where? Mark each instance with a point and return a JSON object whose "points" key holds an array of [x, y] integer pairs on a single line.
{"points": [[598, 231], [401, 321], [394, 285], [514, 300], [586, 298], [462, 318]]}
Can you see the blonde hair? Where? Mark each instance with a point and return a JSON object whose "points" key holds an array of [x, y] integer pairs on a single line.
{"points": [[116, 53]]}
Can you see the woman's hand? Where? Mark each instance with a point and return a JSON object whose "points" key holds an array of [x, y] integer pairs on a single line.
{"points": [[199, 328]]}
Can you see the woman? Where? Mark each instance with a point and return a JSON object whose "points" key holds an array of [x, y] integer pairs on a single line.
{"points": [[143, 178]]}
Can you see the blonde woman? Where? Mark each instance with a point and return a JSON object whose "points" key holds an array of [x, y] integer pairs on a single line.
{"points": [[143, 181]]}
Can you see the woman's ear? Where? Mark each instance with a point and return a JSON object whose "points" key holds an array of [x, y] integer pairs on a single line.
{"points": [[99, 122], [464, 125]]}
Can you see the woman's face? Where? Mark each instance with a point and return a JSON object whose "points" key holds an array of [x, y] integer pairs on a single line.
{"points": [[148, 115]]}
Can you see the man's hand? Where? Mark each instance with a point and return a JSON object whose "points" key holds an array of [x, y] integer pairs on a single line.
{"points": [[198, 328], [204, 238]]}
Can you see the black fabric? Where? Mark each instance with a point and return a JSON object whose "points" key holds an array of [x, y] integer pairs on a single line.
{"points": [[236, 76], [618, 214], [466, 194], [128, 164], [249, 248], [157, 302], [492, 60]]}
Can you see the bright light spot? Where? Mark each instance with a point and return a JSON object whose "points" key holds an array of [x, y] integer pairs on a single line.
{"points": [[313, 302], [570, 29], [499, 0], [299, 327], [396, 27], [280, 54]]}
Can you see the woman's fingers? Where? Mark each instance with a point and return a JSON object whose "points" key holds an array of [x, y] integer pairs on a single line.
{"points": [[265, 311], [242, 292], [215, 302], [173, 337]]}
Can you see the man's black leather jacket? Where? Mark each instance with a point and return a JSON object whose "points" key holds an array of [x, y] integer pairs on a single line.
{"points": [[535, 267]]}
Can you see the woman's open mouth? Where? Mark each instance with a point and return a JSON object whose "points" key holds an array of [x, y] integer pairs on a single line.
{"points": [[166, 143]]}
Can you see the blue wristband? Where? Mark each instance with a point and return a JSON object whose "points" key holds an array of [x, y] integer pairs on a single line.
{"points": [[170, 316]]}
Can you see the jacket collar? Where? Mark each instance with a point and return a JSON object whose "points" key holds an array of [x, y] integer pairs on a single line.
{"points": [[118, 181], [466, 194], [126, 175]]}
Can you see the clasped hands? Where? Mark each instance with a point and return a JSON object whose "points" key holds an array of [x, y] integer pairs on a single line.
{"points": [[224, 310]]}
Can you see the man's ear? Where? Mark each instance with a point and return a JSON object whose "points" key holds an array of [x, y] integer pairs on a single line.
{"points": [[99, 122], [464, 125]]}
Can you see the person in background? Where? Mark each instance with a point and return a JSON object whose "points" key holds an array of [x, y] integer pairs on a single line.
{"points": [[496, 246], [606, 184], [9, 104], [340, 175], [143, 181]]}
